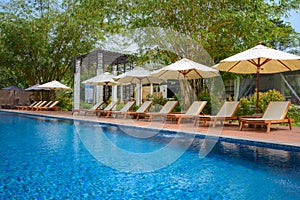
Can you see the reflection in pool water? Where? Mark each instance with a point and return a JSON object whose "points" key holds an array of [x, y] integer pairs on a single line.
{"points": [[47, 159]]}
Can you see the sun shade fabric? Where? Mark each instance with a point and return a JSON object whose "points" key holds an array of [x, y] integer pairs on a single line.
{"points": [[269, 60], [185, 69]]}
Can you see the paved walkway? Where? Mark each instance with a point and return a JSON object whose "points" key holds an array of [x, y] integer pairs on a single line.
{"points": [[278, 134]]}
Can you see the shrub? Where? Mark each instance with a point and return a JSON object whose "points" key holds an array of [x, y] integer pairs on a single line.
{"points": [[246, 107], [120, 105], [205, 96], [265, 98], [134, 108], [294, 113], [65, 102]]}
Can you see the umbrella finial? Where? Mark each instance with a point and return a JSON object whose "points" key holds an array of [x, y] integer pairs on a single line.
{"points": [[259, 43]]}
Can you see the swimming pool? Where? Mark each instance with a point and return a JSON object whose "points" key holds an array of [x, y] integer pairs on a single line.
{"points": [[43, 158]]}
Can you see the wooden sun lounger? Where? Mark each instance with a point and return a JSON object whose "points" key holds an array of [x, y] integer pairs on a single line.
{"points": [[50, 107], [226, 112], [276, 113], [194, 110], [142, 109], [123, 111], [46, 105], [25, 107], [94, 109], [107, 109], [40, 104], [166, 109]]}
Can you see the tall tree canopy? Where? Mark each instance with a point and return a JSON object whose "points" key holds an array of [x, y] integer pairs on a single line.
{"points": [[39, 39], [222, 27]]}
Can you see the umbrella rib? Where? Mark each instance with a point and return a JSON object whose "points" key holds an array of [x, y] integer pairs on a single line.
{"points": [[253, 62], [234, 66], [265, 61], [198, 73], [284, 65]]}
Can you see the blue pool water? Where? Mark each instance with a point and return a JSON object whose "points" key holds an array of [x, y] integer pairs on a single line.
{"points": [[45, 158]]}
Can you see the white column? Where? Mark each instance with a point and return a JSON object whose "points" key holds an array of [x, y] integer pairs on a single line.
{"points": [[121, 91], [114, 92], [76, 97], [138, 94], [100, 68], [151, 90], [236, 88]]}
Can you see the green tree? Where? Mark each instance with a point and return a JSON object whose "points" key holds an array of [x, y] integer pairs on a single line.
{"points": [[39, 39], [222, 27]]}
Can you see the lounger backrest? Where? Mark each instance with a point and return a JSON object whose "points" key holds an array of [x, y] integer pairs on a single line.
{"points": [[110, 106], [53, 104], [41, 104], [168, 107], [48, 104], [277, 110], [144, 107], [97, 105], [37, 104], [196, 108], [33, 103], [228, 109], [127, 106]]}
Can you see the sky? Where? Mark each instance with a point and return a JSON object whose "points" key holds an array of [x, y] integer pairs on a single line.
{"points": [[294, 19]]}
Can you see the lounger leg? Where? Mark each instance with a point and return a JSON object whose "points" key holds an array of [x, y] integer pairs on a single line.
{"points": [[241, 125], [268, 127], [195, 121], [179, 120], [290, 124], [215, 122]]}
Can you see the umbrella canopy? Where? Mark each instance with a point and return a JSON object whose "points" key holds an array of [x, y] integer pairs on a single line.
{"points": [[185, 69], [12, 87], [102, 79], [260, 60], [54, 85], [139, 76], [36, 88]]}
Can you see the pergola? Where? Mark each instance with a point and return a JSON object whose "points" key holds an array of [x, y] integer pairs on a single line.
{"points": [[102, 60]]}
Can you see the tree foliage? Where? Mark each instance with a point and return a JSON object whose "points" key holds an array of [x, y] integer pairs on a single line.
{"points": [[39, 39], [222, 27]]}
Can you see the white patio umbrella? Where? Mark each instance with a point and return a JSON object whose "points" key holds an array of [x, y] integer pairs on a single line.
{"points": [[102, 79], [35, 88], [54, 85], [105, 79], [139, 76], [185, 69], [260, 60]]}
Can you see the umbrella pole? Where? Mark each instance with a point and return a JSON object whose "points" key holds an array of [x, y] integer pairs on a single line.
{"points": [[106, 93], [257, 89]]}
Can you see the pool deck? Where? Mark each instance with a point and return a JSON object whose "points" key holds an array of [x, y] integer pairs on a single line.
{"points": [[278, 135]]}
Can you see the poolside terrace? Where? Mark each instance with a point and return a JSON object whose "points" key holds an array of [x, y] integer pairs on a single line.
{"points": [[278, 135]]}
